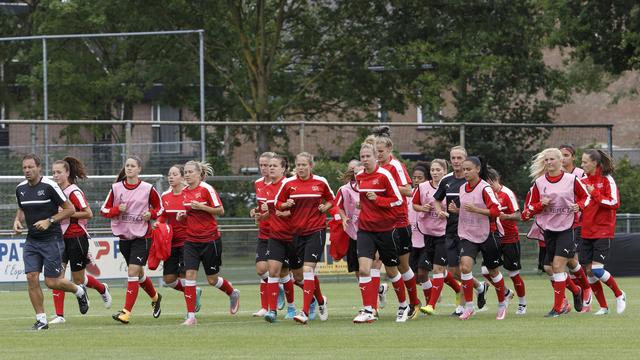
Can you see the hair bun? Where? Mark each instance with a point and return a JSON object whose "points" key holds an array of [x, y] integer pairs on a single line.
{"points": [[381, 131]]}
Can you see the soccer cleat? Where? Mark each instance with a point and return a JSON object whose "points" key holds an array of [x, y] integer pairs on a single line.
{"points": [[323, 311], [587, 296], [281, 301], [413, 311], [458, 311], [586, 308], [467, 313], [156, 306], [234, 302], [429, 310], [552, 313], [106, 297], [301, 318], [83, 301], [382, 295], [122, 316], [522, 309], [260, 313], [39, 326], [602, 311], [271, 316], [566, 307], [502, 311], [509, 294], [58, 320], [364, 317], [621, 303], [291, 312], [313, 309], [577, 300], [190, 322], [403, 314], [482, 297], [198, 296]]}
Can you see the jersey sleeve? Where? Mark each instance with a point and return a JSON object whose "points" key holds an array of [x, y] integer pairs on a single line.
{"points": [[608, 198], [212, 197], [108, 210], [282, 196], [581, 193], [395, 199], [338, 200], [512, 201], [155, 204], [416, 197], [78, 200], [491, 202]]}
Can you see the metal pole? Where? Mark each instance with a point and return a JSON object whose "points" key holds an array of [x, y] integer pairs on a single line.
{"points": [[302, 136], [610, 140], [45, 113], [127, 138], [203, 129], [462, 135], [628, 223]]}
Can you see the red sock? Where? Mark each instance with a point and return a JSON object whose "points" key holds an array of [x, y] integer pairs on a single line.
{"points": [[427, 293], [272, 290], [613, 285], [288, 291], [400, 289], [224, 286], [582, 279], [412, 289], [452, 282], [599, 293], [318, 293], [264, 301], [190, 297], [95, 284], [132, 294], [366, 289], [308, 291], [518, 284], [58, 302], [467, 288], [437, 283], [488, 277], [572, 286], [558, 294], [147, 286], [179, 286], [499, 285]]}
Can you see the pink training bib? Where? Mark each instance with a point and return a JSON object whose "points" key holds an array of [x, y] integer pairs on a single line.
{"points": [[131, 225], [428, 223], [350, 198], [471, 226], [558, 215], [64, 224]]}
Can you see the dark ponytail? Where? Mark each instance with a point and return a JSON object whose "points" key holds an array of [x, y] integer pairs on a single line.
{"points": [[122, 175], [74, 167], [480, 162], [424, 167], [606, 163], [492, 174]]}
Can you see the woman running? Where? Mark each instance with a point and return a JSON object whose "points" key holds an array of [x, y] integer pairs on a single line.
{"points": [[347, 199], [203, 244], [598, 226], [66, 172], [379, 194], [569, 160], [308, 197], [420, 259], [556, 197], [130, 205]]}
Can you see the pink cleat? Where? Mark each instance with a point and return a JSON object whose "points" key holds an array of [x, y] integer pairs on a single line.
{"points": [[467, 313], [502, 311], [190, 322]]}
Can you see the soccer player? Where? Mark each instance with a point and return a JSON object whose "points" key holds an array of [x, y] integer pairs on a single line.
{"points": [[433, 227], [173, 273], [420, 259], [379, 194], [598, 226], [510, 241], [347, 198], [130, 205], [569, 160], [556, 197], [76, 237], [308, 197], [479, 232], [39, 200], [449, 190], [402, 232], [203, 243]]}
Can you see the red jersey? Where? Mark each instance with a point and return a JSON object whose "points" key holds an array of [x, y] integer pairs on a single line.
{"points": [[79, 202], [599, 214], [378, 215], [279, 227], [400, 175], [308, 195], [201, 226], [174, 203], [155, 205], [260, 186], [508, 205]]}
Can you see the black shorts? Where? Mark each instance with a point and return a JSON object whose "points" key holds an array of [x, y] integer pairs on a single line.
{"points": [[490, 250], [436, 249], [284, 252], [402, 238], [43, 253], [310, 247], [174, 265], [418, 259], [595, 250], [577, 237], [136, 251], [261, 250], [453, 248], [75, 252], [352, 256], [209, 253], [511, 256], [559, 243], [382, 242]]}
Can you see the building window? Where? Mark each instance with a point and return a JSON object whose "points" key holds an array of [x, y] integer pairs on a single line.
{"points": [[425, 114], [4, 135], [166, 138]]}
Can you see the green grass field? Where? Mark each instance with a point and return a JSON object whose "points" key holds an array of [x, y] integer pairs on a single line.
{"points": [[220, 335]]}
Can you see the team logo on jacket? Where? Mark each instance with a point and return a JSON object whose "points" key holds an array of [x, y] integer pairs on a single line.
{"points": [[600, 185], [293, 189], [376, 182], [40, 192], [315, 188], [197, 195]]}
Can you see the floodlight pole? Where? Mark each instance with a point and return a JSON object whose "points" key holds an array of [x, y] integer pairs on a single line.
{"points": [[45, 110], [203, 128]]}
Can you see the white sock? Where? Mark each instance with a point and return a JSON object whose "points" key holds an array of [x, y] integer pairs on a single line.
{"points": [[79, 291], [42, 318], [191, 315], [522, 300]]}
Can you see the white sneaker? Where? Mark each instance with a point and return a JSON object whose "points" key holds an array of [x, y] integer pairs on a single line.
{"points": [[403, 314], [602, 311], [260, 313], [106, 297], [522, 309], [323, 311], [621, 303], [382, 295], [364, 317], [57, 320], [301, 318]]}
